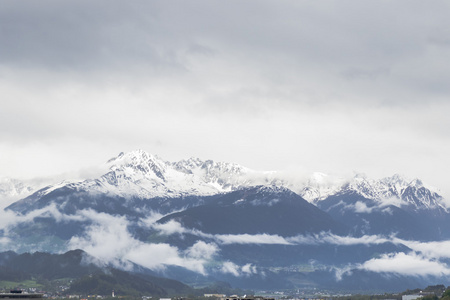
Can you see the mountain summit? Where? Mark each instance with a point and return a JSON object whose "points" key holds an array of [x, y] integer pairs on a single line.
{"points": [[141, 175]]}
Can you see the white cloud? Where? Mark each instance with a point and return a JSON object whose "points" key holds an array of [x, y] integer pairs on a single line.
{"points": [[328, 238], [361, 207], [170, 227], [230, 267], [392, 201], [436, 250], [9, 218], [410, 264], [202, 250], [109, 241], [349, 240], [158, 256], [236, 270], [249, 269], [151, 219], [251, 239], [341, 272], [173, 227]]}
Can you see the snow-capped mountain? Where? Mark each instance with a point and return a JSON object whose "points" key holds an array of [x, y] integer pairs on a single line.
{"points": [[394, 190], [228, 213], [141, 175], [144, 175]]}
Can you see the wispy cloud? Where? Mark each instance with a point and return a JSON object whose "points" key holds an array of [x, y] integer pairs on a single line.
{"points": [[251, 239], [350, 240], [237, 271], [9, 218], [230, 267], [109, 240], [174, 227], [171, 227], [423, 260]]}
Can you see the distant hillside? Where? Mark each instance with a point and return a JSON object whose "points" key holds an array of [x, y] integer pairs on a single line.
{"points": [[71, 264], [124, 283], [261, 209], [89, 278]]}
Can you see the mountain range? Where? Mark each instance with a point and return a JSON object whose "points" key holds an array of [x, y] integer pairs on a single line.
{"points": [[142, 175], [205, 221]]}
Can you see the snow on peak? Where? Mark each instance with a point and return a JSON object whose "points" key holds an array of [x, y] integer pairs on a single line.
{"points": [[135, 159], [319, 186], [389, 189], [144, 175]]}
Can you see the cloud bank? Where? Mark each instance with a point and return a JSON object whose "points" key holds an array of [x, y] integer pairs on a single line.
{"points": [[90, 80], [109, 240], [410, 264]]}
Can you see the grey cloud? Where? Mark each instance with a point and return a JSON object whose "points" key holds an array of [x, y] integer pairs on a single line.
{"points": [[344, 84], [277, 42], [355, 73], [75, 35]]}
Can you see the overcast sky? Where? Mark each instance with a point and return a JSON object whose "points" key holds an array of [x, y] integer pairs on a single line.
{"points": [[331, 86]]}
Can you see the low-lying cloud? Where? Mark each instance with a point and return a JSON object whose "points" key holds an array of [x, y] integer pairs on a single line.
{"points": [[229, 267], [9, 218], [409, 264], [261, 239], [109, 240], [422, 260], [437, 249]]}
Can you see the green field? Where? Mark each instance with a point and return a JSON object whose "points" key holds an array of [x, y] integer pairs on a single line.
{"points": [[6, 285]]}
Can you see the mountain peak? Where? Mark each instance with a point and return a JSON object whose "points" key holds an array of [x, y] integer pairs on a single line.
{"points": [[271, 189], [417, 182], [135, 157]]}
